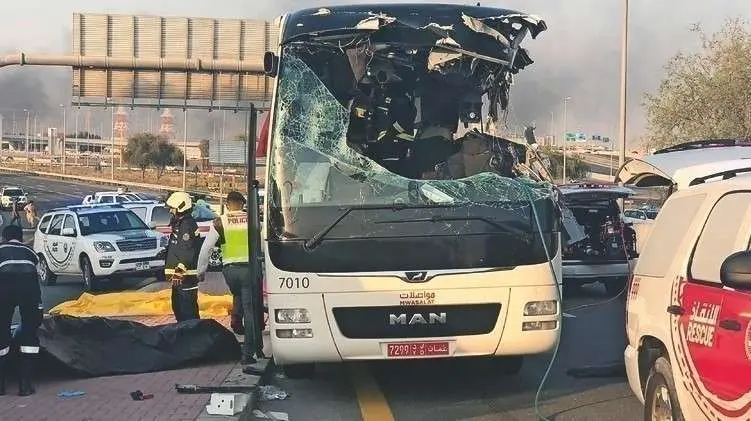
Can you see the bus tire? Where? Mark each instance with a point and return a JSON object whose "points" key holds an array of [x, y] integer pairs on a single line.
{"points": [[510, 365], [298, 371]]}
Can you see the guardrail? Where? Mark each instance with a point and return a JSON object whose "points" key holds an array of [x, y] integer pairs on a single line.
{"points": [[106, 182]]}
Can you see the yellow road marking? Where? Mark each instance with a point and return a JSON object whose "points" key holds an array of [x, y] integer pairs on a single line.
{"points": [[373, 405]]}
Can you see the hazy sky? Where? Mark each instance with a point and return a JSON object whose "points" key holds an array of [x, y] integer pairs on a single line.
{"points": [[579, 55]]}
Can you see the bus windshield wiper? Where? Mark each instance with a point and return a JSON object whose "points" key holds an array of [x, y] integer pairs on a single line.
{"points": [[318, 237], [503, 226]]}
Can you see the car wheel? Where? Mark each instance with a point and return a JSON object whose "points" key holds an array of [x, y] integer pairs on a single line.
{"points": [[46, 277], [660, 398], [89, 280], [298, 371]]}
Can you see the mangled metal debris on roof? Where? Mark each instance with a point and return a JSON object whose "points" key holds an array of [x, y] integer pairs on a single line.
{"points": [[387, 104]]}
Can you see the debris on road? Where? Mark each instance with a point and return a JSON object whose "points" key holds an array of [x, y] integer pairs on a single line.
{"points": [[228, 404], [194, 389], [139, 396], [70, 393], [272, 393], [271, 415]]}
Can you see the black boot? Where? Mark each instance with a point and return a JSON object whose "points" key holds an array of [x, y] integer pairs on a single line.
{"points": [[25, 374]]}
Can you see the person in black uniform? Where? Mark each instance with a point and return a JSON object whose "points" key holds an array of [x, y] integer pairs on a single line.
{"points": [[181, 263], [19, 287]]}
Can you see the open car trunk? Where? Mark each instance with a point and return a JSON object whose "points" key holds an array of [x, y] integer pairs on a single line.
{"points": [[594, 228]]}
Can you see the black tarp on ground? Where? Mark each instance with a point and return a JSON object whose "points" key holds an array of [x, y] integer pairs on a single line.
{"points": [[97, 346]]}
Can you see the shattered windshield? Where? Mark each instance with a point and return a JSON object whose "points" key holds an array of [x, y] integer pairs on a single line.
{"points": [[385, 139]]}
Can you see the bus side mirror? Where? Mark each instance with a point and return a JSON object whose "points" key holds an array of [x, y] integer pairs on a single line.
{"points": [[735, 271], [270, 64]]}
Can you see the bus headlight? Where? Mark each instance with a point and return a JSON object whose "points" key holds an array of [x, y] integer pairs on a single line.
{"points": [[541, 308], [544, 325], [292, 315], [294, 333]]}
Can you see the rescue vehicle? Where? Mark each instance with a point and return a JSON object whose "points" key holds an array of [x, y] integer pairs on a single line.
{"points": [[9, 193], [157, 216], [599, 245], [689, 306], [97, 242]]}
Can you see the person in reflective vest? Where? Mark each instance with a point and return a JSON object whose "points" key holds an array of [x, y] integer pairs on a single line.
{"points": [[19, 287], [181, 263], [230, 231]]}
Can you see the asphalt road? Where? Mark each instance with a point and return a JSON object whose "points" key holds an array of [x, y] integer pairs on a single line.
{"points": [[470, 390], [49, 194]]}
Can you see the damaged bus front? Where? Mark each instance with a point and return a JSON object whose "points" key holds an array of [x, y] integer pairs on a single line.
{"points": [[398, 225]]}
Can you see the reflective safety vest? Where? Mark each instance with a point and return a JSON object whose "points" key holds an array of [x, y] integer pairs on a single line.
{"points": [[235, 230]]}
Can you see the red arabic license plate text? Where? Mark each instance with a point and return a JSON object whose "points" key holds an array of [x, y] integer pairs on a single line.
{"points": [[417, 349]]}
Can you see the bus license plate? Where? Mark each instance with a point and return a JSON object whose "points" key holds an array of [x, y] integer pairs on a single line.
{"points": [[417, 349], [142, 266]]}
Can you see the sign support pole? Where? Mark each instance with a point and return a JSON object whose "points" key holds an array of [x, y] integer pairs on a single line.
{"points": [[253, 310]]}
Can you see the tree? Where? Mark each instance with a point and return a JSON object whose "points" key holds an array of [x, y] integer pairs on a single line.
{"points": [[164, 155], [705, 95], [139, 151]]}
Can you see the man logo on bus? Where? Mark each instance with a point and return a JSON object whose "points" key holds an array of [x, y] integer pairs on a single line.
{"points": [[417, 319], [416, 276]]}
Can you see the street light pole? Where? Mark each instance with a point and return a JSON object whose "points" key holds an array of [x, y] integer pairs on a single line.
{"points": [[65, 134], [27, 139], [185, 145], [552, 128], [624, 73], [112, 145], [78, 150], [565, 129], [36, 133]]}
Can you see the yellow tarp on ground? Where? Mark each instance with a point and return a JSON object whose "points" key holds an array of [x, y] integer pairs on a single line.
{"points": [[139, 304]]}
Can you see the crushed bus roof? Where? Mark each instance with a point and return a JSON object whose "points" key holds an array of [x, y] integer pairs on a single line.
{"points": [[488, 33]]}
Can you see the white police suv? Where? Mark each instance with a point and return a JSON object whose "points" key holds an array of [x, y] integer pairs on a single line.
{"points": [[9, 193], [98, 242]]}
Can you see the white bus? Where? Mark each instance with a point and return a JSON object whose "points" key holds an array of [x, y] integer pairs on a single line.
{"points": [[395, 225]]}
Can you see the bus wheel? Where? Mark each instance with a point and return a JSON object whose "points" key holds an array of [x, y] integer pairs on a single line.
{"points": [[298, 371], [509, 365]]}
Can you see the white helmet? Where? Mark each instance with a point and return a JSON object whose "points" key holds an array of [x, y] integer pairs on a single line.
{"points": [[180, 201]]}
